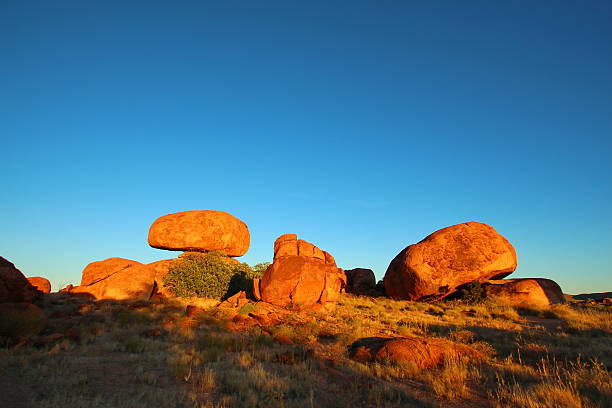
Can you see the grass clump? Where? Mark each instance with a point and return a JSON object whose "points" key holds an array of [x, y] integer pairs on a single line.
{"points": [[211, 275]]}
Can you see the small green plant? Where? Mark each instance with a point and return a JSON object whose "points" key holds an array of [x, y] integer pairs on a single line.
{"points": [[210, 275], [473, 293]]}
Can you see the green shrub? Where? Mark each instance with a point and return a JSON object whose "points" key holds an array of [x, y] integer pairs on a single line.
{"points": [[210, 275], [473, 293]]}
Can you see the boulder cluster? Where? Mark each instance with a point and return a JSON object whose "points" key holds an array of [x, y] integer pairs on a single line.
{"points": [[304, 276], [453, 257]]}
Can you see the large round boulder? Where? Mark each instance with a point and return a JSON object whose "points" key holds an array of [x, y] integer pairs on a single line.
{"points": [[41, 284], [448, 258], [117, 278], [525, 292], [301, 275], [14, 287], [201, 231]]}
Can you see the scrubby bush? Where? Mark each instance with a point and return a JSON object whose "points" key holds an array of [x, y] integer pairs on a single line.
{"points": [[211, 275], [473, 293]]}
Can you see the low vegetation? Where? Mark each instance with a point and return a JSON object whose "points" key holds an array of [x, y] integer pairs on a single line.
{"points": [[141, 354], [211, 274]]}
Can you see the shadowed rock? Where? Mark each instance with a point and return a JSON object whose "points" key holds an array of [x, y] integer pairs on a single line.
{"points": [[360, 281], [424, 352], [450, 257], [14, 287], [201, 231]]}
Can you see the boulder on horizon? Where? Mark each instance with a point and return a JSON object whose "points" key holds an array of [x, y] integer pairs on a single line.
{"points": [[361, 281], [448, 258], [200, 231], [41, 284]]}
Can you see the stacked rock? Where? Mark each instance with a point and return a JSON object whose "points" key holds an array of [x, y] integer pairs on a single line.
{"points": [[460, 254], [199, 231], [301, 276]]}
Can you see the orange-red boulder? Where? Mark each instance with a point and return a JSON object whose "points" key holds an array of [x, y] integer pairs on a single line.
{"points": [[301, 275], [424, 352], [360, 281], [450, 257], [525, 292], [117, 278], [14, 287], [41, 284], [161, 270], [201, 231]]}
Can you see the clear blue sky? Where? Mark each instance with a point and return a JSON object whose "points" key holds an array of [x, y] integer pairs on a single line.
{"points": [[360, 126]]}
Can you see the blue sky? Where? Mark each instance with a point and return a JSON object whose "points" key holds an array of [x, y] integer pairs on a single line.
{"points": [[360, 126]]}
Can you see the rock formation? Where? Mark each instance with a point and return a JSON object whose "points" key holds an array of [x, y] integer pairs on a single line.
{"points": [[424, 352], [201, 231], [41, 284], [360, 281], [453, 256], [117, 278], [525, 292], [14, 287], [301, 275]]}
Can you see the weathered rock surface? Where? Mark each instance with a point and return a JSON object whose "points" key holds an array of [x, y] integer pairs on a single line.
{"points": [[424, 352], [14, 287], [301, 275], [450, 257], [117, 278], [360, 281], [161, 270], [525, 292], [41, 284], [200, 231], [20, 320]]}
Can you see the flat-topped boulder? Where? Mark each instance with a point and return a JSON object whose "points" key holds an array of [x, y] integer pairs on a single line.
{"points": [[14, 287], [41, 284], [302, 276], [448, 258], [200, 231], [525, 292]]}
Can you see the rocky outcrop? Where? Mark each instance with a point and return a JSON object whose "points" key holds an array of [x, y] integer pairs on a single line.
{"points": [[41, 284], [14, 287], [116, 278], [161, 270], [525, 292], [423, 352], [301, 276], [448, 258], [360, 281], [201, 231]]}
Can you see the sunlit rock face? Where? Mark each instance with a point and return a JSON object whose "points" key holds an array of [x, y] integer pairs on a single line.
{"points": [[14, 287], [41, 284], [117, 278], [201, 231], [301, 276], [448, 258], [525, 292]]}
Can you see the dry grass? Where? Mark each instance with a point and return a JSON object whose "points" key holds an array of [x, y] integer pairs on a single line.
{"points": [[147, 354]]}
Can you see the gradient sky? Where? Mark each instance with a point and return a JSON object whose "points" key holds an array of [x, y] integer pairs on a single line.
{"points": [[361, 126]]}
